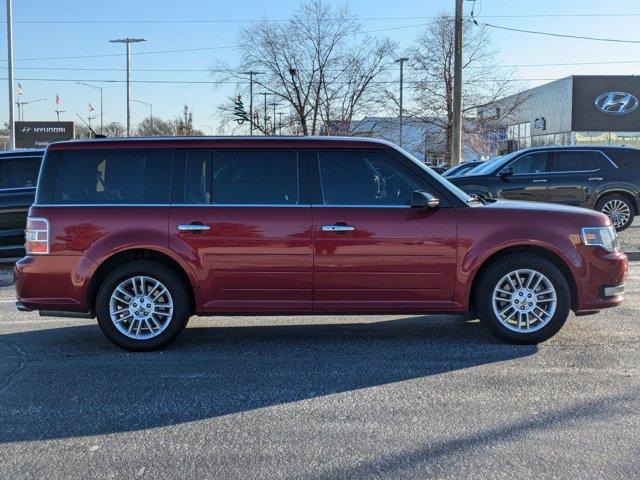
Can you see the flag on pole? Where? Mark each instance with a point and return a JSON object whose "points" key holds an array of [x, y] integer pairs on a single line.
{"points": [[20, 89], [58, 101], [91, 109]]}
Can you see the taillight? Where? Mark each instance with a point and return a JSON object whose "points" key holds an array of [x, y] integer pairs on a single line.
{"points": [[37, 236]]}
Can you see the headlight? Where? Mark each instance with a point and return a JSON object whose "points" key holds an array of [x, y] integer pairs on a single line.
{"points": [[605, 237]]}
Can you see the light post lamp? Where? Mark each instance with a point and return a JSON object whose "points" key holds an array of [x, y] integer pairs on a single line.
{"points": [[150, 109], [128, 41], [21, 105], [101, 104]]}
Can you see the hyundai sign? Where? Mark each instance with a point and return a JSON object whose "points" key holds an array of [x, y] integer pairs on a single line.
{"points": [[41, 134], [616, 103]]}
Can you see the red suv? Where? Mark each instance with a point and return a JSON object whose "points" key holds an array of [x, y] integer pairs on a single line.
{"points": [[144, 233]]}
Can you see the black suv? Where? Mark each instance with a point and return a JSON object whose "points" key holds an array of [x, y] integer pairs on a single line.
{"points": [[601, 178], [18, 176]]}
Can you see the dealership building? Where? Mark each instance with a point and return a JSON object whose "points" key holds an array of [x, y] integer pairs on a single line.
{"points": [[576, 110]]}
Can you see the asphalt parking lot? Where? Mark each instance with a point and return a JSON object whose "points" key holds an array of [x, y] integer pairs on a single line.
{"points": [[321, 397]]}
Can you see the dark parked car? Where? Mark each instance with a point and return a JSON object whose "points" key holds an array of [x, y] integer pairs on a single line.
{"points": [[606, 179], [18, 177], [462, 168], [144, 233]]}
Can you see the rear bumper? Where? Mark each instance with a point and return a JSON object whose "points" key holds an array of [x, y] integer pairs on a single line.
{"points": [[53, 283]]}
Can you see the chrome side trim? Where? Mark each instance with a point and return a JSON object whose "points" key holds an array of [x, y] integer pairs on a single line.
{"points": [[338, 228], [92, 205]]}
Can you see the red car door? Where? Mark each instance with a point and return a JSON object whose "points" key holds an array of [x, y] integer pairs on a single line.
{"points": [[242, 219], [373, 252]]}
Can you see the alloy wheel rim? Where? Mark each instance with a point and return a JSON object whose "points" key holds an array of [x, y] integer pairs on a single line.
{"points": [[524, 300], [141, 307], [617, 211]]}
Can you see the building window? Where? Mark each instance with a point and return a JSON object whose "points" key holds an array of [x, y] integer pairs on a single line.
{"points": [[519, 134]]}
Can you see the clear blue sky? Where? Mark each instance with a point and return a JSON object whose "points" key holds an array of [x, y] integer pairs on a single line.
{"points": [[34, 40]]}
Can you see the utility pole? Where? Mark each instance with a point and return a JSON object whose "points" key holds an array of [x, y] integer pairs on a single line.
{"points": [[251, 74], [101, 104], [128, 41], [12, 132], [273, 119], [401, 62], [21, 105], [280, 122], [265, 111], [456, 147]]}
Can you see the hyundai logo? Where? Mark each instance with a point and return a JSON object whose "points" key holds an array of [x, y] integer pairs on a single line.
{"points": [[616, 103]]}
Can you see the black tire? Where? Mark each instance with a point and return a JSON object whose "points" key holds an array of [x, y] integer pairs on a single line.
{"points": [[600, 206], [493, 275], [159, 272]]}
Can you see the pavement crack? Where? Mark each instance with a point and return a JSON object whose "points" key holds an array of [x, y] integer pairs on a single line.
{"points": [[23, 361]]}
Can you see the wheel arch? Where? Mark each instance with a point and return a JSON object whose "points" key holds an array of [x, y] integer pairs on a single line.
{"points": [[622, 192], [131, 254], [531, 249]]}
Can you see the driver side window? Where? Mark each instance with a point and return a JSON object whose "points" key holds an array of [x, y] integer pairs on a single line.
{"points": [[364, 178], [530, 163]]}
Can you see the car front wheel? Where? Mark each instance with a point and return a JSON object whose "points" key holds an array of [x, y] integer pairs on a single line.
{"points": [[524, 298], [619, 209], [142, 306]]}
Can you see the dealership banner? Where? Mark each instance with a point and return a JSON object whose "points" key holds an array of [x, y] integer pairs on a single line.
{"points": [[41, 134]]}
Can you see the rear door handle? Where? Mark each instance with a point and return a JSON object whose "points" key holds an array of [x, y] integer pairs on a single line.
{"points": [[338, 228], [193, 227], [540, 181], [595, 178]]}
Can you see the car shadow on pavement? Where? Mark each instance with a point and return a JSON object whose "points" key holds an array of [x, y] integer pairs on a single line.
{"points": [[70, 382]]}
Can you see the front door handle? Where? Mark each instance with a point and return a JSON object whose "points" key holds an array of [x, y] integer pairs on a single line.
{"points": [[595, 178], [338, 228], [193, 227], [540, 181]]}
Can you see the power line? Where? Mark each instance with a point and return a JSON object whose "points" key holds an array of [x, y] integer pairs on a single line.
{"points": [[562, 35], [257, 20], [228, 82]]}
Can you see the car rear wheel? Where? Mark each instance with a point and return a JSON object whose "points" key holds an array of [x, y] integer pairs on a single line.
{"points": [[619, 209], [142, 306], [524, 298]]}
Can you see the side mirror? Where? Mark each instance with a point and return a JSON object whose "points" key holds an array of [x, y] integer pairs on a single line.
{"points": [[505, 173], [421, 199]]}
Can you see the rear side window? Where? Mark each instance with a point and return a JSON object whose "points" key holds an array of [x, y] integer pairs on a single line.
{"points": [[625, 158], [19, 172], [530, 163], [364, 178], [575, 161], [241, 177], [118, 176]]}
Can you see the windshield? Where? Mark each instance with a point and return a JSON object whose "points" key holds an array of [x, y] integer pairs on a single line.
{"points": [[439, 179], [491, 165]]}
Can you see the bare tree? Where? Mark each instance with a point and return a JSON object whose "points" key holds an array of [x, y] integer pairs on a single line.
{"points": [[149, 127], [483, 83], [114, 129], [184, 124], [318, 65], [82, 131]]}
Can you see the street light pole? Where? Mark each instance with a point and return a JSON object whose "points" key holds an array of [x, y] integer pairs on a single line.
{"points": [[128, 41], [12, 133], [101, 104], [456, 148], [150, 109], [401, 62]]}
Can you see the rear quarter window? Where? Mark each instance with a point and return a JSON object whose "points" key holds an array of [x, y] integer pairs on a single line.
{"points": [[626, 159], [118, 176], [19, 172]]}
